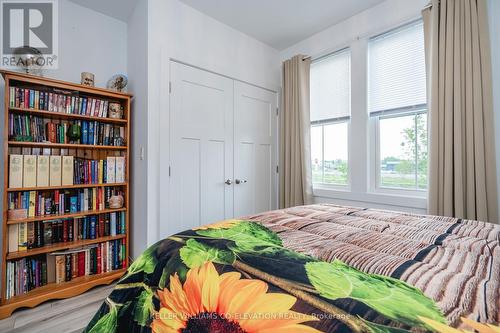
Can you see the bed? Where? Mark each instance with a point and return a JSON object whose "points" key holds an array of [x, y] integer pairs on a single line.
{"points": [[317, 268]]}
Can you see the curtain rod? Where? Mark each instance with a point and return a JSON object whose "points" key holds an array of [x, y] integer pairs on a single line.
{"points": [[429, 5]]}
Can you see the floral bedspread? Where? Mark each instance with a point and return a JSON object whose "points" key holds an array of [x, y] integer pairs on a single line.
{"points": [[238, 276]]}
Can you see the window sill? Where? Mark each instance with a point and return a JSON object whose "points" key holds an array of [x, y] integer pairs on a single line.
{"points": [[404, 201]]}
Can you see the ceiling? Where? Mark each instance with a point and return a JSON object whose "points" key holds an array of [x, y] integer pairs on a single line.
{"points": [[280, 23], [119, 9]]}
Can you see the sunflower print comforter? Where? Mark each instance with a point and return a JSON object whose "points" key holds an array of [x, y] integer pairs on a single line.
{"points": [[318, 268]]}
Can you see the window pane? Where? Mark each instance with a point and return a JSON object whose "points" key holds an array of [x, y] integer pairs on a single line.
{"points": [[330, 87], [335, 154], [397, 152], [396, 69], [317, 153]]}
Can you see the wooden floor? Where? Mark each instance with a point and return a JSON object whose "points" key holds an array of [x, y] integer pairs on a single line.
{"points": [[66, 316]]}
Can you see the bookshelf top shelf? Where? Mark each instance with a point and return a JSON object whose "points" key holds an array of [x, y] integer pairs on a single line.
{"points": [[61, 115], [26, 78]]}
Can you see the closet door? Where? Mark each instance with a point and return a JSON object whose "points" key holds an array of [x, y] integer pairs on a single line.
{"points": [[254, 149], [201, 142]]}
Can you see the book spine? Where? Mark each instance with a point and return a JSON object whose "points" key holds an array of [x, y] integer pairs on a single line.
{"points": [[68, 271]]}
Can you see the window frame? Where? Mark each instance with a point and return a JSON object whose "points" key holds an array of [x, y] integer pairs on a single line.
{"points": [[337, 120], [333, 121], [375, 168], [374, 126]]}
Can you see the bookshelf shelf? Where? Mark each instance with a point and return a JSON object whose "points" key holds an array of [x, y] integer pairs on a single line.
{"points": [[63, 187], [61, 246], [60, 115], [63, 145], [65, 216], [27, 92]]}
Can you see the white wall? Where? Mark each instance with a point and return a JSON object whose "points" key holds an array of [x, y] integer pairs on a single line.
{"points": [[494, 21], [179, 32], [137, 67], [354, 32], [89, 42]]}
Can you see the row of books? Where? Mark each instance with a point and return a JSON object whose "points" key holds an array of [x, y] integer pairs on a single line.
{"points": [[26, 236], [29, 273], [53, 102], [29, 128], [25, 275], [58, 202], [110, 170], [55, 170]]}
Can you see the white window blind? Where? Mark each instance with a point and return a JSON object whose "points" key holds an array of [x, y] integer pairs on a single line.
{"points": [[396, 70], [331, 88]]}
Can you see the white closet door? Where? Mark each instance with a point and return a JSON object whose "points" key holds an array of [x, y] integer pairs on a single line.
{"points": [[201, 127], [254, 149]]}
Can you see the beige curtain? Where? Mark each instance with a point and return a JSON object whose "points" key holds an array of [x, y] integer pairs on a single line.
{"points": [[295, 140], [462, 178]]}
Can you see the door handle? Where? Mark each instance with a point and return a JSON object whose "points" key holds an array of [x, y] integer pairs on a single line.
{"points": [[228, 182], [240, 181]]}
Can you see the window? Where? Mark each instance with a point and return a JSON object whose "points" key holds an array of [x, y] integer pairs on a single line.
{"points": [[330, 114], [397, 105], [403, 151]]}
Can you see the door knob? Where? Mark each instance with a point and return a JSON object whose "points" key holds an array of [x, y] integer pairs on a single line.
{"points": [[240, 181], [228, 182]]}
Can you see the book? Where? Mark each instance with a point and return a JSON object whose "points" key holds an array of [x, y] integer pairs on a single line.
{"points": [[74, 265], [90, 138], [85, 133], [32, 204], [51, 268], [23, 236], [68, 272], [42, 171], [55, 170], [67, 170], [13, 237], [47, 233], [51, 132], [110, 172], [15, 171], [29, 170], [120, 169], [113, 224], [31, 235], [60, 268], [12, 97]]}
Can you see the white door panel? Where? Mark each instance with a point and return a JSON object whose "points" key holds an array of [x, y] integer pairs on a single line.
{"points": [[201, 127], [254, 149]]}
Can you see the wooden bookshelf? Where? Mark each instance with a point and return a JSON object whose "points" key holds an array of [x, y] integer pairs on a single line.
{"points": [[80, 284]]}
